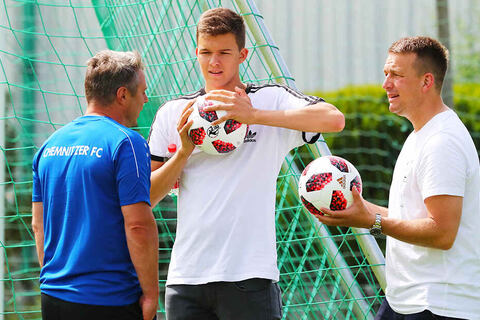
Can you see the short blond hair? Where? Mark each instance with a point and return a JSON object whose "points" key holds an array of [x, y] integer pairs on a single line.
{"points": [[109, 70]]}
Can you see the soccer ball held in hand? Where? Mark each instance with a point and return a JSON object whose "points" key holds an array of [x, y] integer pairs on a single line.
{"points": [[327, 182], [219, 139]]}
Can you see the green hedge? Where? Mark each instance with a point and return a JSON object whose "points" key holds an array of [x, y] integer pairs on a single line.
{"points": [[373, 136]]}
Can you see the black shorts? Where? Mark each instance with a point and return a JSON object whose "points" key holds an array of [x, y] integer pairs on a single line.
{"points": [[57, 309], [250, 299]]}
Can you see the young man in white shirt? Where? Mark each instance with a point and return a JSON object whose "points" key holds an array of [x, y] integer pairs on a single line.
{"points": [[223, 263], [433, 217]]}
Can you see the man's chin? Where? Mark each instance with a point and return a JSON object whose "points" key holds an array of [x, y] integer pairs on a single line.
{"points": [[393, 108], [216, 85]]}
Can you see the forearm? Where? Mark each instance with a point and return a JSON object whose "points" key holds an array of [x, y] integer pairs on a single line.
{"points": [[374, 209], [437, 230], [142, 241], [37, 227], [321, 117], [422, 232], [163, 178], [39, 246]]}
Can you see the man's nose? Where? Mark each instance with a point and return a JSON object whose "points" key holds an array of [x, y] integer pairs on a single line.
{"points": [[214, 60], [387, 83]]}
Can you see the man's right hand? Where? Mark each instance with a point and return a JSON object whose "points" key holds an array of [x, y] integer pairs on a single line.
{"points": [[183, 126], [357, 215], [149, 307]]}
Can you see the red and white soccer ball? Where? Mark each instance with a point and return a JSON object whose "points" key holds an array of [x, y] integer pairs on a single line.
{"points": [[219, 139], [327, 182]]}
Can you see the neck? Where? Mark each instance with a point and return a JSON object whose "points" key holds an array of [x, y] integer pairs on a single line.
{"points": [[229, 86], [110, 111], [426, 111]]}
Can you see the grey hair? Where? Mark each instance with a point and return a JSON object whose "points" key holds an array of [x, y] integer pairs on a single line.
{"points": [[109, 70]]}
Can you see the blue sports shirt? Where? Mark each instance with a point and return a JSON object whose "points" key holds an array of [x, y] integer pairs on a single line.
{"points": [[83, 174]]}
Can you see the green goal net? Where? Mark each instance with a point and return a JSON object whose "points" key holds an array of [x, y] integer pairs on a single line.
{"points": [[326, 273]]}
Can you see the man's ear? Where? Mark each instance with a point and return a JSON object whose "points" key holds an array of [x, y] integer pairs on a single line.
{"points": [[122, 95], [243, 54], [428, 81]]}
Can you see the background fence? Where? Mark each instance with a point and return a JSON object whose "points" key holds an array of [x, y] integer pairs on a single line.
{"points": [[327, 44]]}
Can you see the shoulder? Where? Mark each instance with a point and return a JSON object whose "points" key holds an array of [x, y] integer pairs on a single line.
{"points": [[121, 134], [274, 89], [130, 143], [59, 134], [448, 147], [269, 87], [173, 105], [438, 141], [169, 112], [449, 132]]}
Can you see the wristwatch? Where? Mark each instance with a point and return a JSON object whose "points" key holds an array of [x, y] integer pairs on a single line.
{"points": [[376, 229]]}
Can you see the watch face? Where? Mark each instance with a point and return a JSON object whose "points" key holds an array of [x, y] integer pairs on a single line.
{"points": [[375, 231]]}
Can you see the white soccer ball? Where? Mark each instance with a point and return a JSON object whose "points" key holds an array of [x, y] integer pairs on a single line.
{"points": [[219, 139], [327, 182]]}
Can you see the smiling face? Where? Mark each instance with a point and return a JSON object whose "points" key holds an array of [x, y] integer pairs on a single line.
{"points": [[219, 58], [403, 84]]}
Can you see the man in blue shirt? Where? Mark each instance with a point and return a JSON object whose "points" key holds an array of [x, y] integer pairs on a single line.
{"points": [[95, 233]]}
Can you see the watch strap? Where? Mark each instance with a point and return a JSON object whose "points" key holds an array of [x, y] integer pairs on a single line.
{"points": [[376, 228]]}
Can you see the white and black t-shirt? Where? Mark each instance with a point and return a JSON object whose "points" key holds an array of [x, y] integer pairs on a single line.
{"points": [[226, 204]]}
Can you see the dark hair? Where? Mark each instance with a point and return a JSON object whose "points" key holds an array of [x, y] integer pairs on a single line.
{"points": [[432, 56], [219, 21], [109, 70]]}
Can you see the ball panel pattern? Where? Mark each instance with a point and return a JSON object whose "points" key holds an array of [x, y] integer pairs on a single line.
{"points": [[340, 164], [231, 125], [197, 135], [356, 183], [338, 201], [310, 207], [210, 116], [318, 181], [223, 147]]}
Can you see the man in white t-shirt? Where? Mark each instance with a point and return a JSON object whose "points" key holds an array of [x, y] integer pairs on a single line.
{"points": [[433, 218], [223, 263]]}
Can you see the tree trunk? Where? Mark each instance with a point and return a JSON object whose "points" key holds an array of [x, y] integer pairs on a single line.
{"points": [[444, 37]]}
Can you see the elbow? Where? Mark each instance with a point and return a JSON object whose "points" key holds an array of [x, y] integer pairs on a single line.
{"points": [[340, 122], [445, 239], [445, 244], [141, 227], [337, 123], [326, 118], [138, 228]]}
